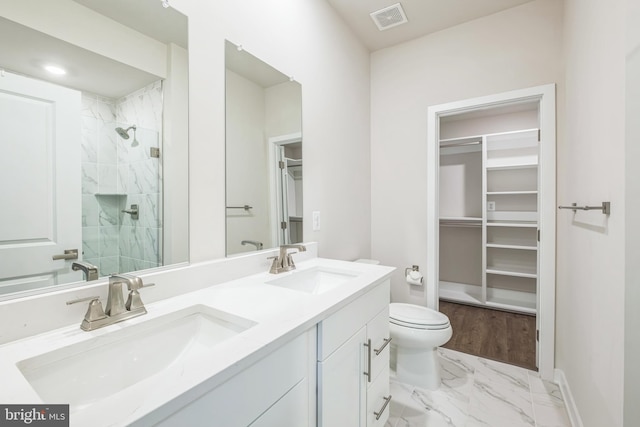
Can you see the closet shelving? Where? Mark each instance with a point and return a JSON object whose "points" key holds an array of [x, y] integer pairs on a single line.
{"points": [[505, 208]]}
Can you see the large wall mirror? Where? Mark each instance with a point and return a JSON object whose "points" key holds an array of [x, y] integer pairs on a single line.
{"points": [[93, 141], [263, 154]]}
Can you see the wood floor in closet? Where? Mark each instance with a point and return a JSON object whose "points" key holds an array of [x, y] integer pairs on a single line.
{"points": [[492, 334]]}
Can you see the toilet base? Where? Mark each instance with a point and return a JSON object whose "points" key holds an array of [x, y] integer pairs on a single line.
{"points": [[418, 367]]}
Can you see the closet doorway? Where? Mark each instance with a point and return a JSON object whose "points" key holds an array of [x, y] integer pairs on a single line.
{"points": [[491, 210]]}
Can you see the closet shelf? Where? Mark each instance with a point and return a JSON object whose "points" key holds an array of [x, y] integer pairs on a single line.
{"points": [[518, 224], [511, 193], [519, 247], [465, 140], [512, 271], [461, 218], [495, 165]]}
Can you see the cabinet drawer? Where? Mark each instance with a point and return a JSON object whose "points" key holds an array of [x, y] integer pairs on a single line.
{"points": [[378, 400], [338, 327], [378, 333]]}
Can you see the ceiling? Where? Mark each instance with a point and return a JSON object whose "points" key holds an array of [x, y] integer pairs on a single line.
{"points": [[25, 50], [424, 16]]}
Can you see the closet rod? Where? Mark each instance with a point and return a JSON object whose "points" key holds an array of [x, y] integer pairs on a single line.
{"points": [[245, 207], [605, 208]]}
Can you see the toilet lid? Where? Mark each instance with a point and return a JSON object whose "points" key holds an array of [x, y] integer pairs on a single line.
{"points": [[415, 316]]}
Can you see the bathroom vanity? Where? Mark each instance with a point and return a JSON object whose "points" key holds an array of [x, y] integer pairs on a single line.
{"points": [[302, 348]]}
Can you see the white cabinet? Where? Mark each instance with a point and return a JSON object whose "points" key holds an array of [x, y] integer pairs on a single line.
{"points": [[353, 362], [278, 390], [489, 212], [340, 383]]}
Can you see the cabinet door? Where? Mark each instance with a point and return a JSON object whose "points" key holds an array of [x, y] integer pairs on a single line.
{"points": [[378, 333], [341, 385], [290, 411]]}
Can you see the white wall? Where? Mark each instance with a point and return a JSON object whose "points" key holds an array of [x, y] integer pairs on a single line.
{"points": [[632, 226], [283, 104], [305, 39], [247, 165], [590, 267], [513, 49]]}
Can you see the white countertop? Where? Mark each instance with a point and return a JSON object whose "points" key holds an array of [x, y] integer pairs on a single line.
{"points": [[281, 314]]}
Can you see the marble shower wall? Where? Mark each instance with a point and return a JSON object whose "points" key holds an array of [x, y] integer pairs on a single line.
{"points": [[117, 173]]}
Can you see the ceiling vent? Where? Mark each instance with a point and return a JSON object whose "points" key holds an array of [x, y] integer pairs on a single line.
{"points": [[389, 17]]}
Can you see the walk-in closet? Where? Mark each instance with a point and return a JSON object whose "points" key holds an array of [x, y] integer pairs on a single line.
{"points": [[488, 179]]}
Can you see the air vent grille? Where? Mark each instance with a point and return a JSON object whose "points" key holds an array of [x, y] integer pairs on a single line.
{"points": [[389, 17]]}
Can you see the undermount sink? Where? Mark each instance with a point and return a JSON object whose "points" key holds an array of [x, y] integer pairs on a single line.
{"points": [[316, 280], [83, 373]]}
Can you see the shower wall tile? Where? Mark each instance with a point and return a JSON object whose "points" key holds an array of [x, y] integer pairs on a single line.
{"points": [[109, 265], [89, 140], [107, 147], [125, 264], [150, 206], [89, 105], [143, 107], [89, 178], [125, 240], [109, 237], [122, 183], [90, 210], [90, 242], [137, 243], [151, 247], [106, 109], [107, 178]]}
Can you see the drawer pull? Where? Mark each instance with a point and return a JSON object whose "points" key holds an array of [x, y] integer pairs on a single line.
{"points": [[386, 343], [368, 371], [384, 406]]}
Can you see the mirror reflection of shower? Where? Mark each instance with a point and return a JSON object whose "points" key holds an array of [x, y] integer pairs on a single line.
{"points": [[124, 134]]}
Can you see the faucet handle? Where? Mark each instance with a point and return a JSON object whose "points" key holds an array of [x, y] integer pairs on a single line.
{"points": [[134, 301], [290, 264], [94, 312]]}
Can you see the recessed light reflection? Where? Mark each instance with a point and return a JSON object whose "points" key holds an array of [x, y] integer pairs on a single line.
{"points": [[54, 69]]}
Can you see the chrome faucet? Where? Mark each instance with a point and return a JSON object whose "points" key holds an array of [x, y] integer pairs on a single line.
{"points": [[255, 243], [284, 261], [117, 309], [90, 271]]}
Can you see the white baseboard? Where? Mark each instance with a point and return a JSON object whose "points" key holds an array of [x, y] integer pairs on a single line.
{"points": [[572, 410]]}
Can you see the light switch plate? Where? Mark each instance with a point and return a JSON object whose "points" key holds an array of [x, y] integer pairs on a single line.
{"points": [[316, 220]]}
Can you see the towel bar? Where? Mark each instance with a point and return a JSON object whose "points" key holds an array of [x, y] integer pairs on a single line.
{"points": [[605, 208]]}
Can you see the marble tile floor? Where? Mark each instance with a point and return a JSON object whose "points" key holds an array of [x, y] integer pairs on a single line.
{"points": [[477, 392]]}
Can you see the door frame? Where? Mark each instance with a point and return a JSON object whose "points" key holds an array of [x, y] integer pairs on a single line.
{"points": [[277, 213], [546, 97]]}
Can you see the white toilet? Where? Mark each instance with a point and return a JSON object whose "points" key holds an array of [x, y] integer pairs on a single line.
{"points": [[416, 333]]}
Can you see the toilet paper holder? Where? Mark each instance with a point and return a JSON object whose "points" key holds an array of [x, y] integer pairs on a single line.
{"points": [[413, 275]]}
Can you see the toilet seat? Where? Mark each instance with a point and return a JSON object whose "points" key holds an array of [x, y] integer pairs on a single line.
{"points": [[417, 317]]}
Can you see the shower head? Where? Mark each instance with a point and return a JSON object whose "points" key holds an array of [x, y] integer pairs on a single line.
{"points": [[124, 133]]}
